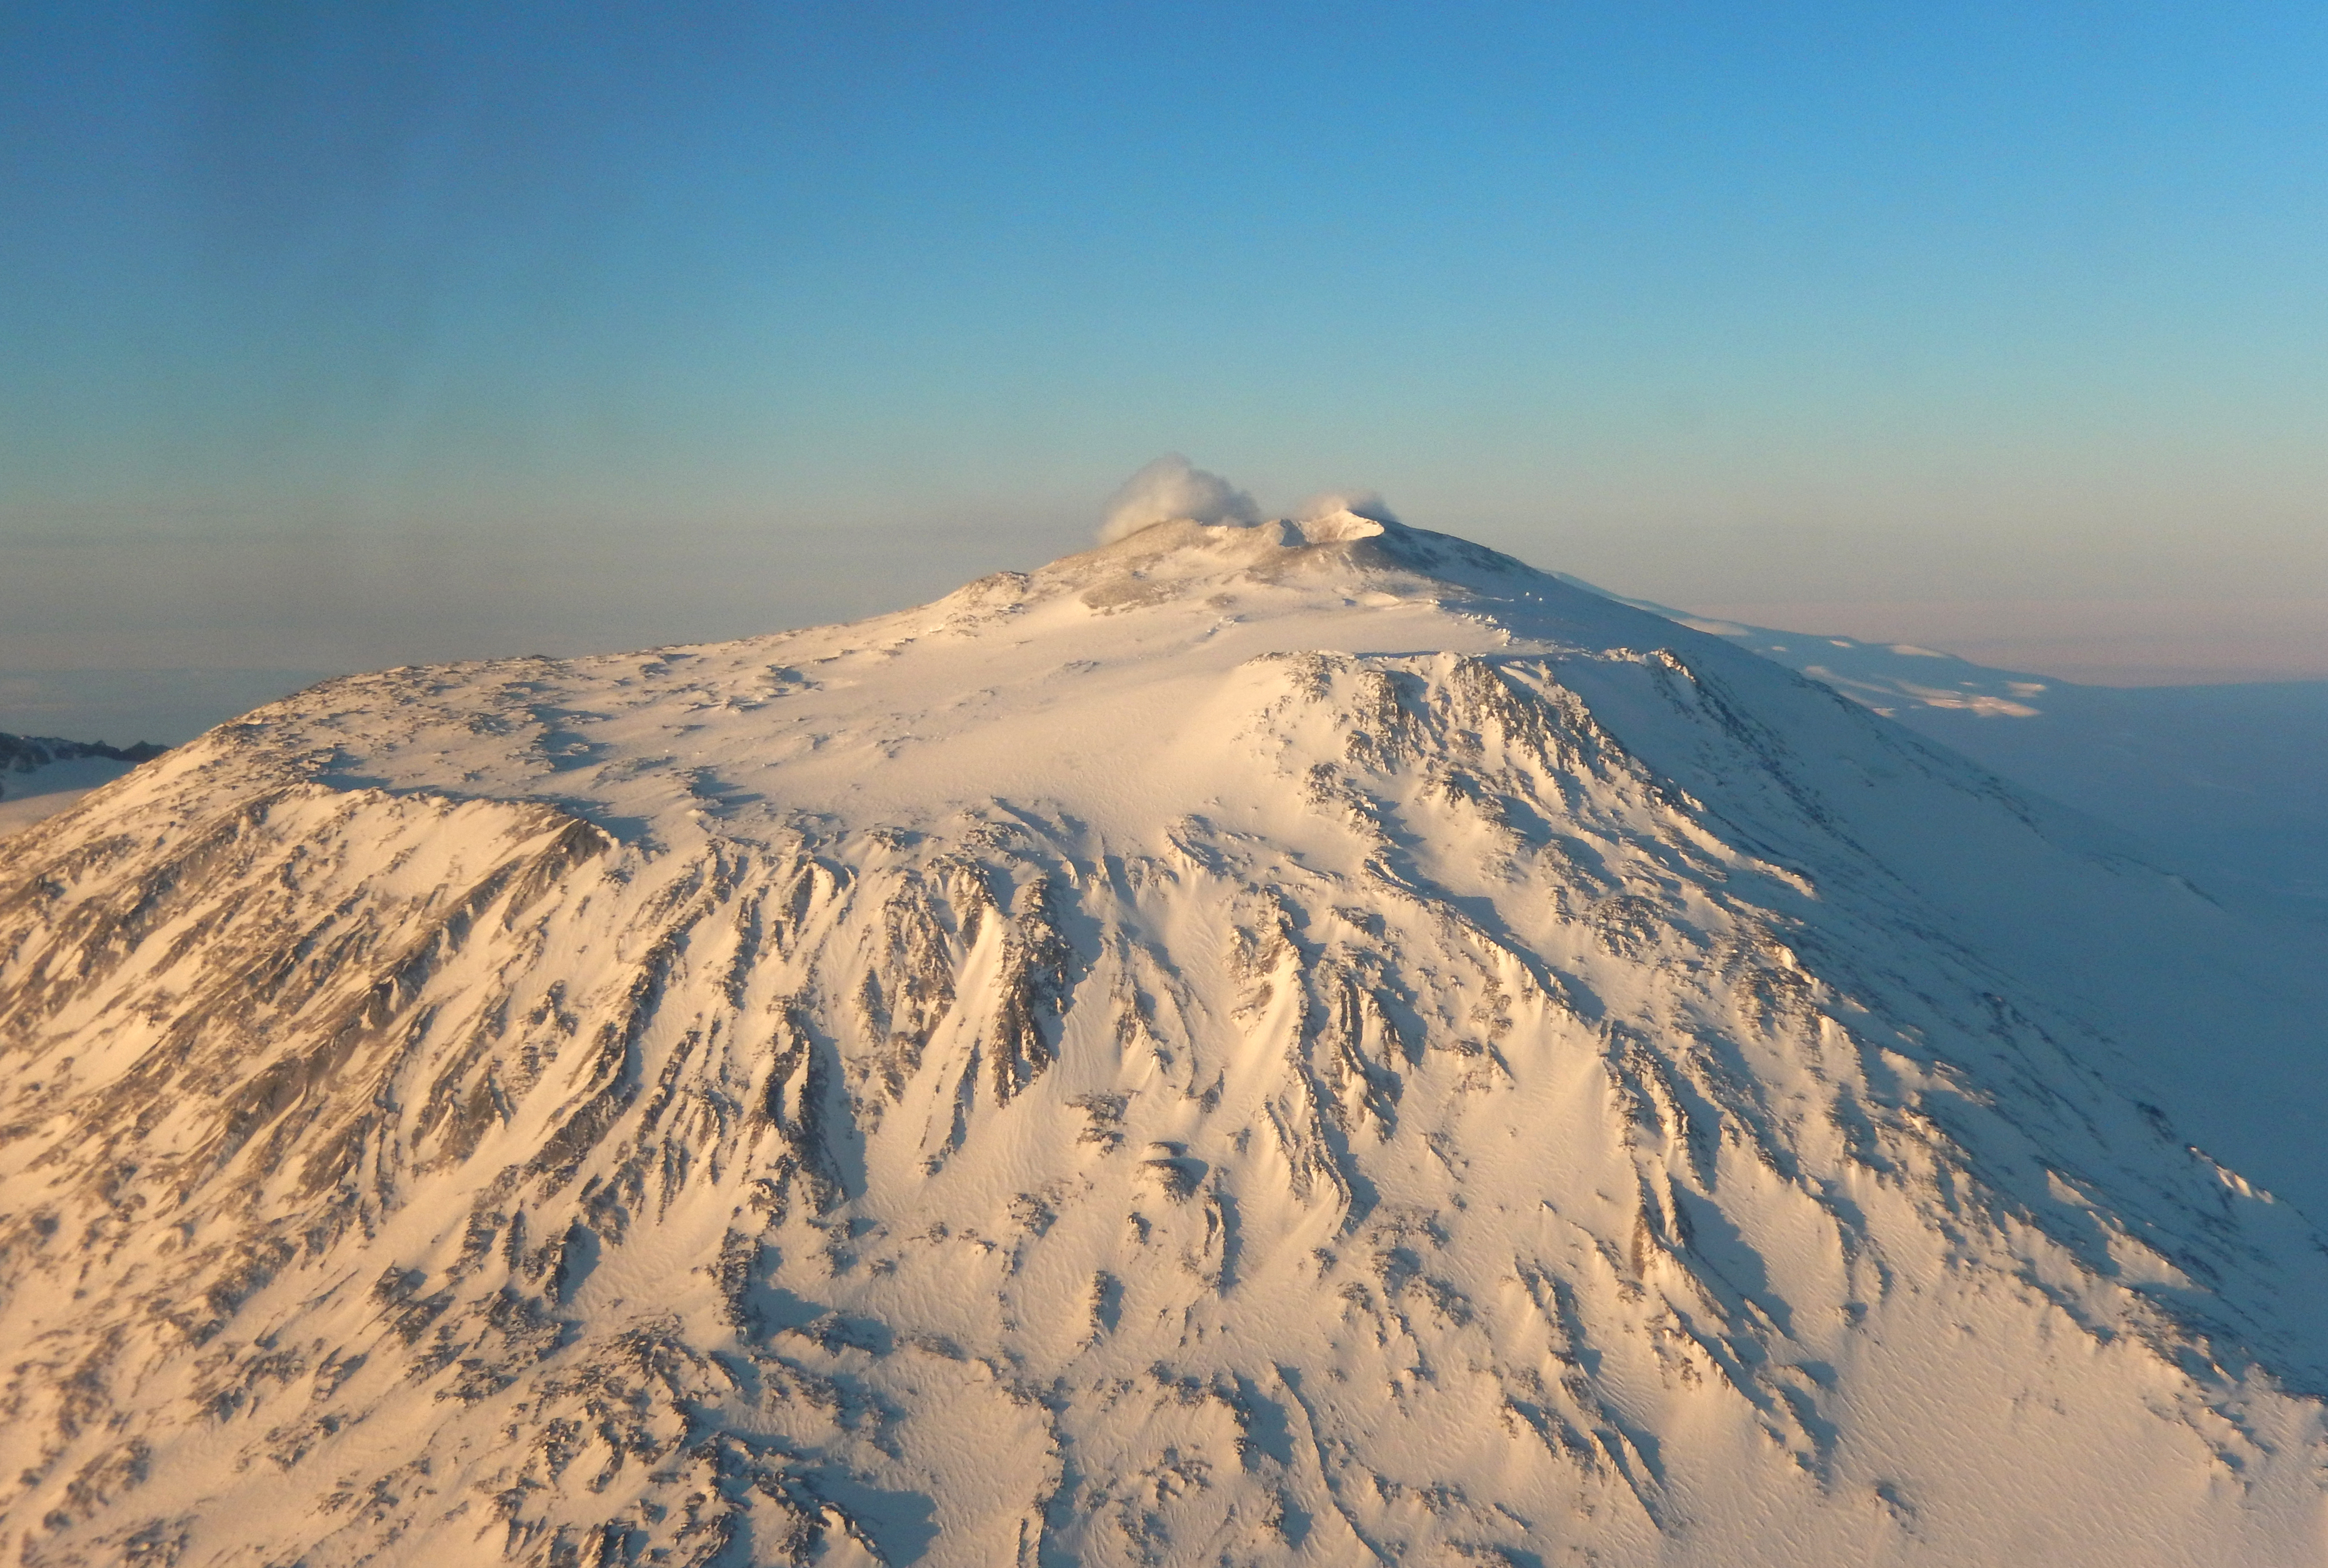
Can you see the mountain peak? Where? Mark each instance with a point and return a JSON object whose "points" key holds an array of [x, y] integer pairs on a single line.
{"points": [[1335, 544], [1285, 1043]]}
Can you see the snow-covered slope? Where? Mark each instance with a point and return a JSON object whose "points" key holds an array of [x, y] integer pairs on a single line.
{"points": [[1295, 1044], [2225, 780], [41, 775]]}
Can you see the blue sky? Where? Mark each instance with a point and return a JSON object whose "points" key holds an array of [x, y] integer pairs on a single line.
{"points": [[348, 335]]}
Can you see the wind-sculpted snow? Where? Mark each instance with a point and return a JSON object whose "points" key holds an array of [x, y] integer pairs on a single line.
{"points": [[1252, 1046]]}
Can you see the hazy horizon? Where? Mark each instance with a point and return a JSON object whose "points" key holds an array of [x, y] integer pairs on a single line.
{"points": [[351, 337]]}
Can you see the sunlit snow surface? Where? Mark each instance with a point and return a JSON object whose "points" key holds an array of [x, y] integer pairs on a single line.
{"points": [[2228, 782], [1253, 1045], [41, 777]]}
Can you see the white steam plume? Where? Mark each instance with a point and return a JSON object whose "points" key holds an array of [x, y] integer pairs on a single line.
{"points": [[1170, 490], [1360, 503]]}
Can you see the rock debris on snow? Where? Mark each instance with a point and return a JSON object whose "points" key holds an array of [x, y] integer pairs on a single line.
{"points": [[1295, 1043]]}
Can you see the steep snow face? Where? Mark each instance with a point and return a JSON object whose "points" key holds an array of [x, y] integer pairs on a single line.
{"points": [[1260, 1045]]}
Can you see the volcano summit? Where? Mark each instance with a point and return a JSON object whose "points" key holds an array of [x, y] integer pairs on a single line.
{"points": [[1296, 1043]]}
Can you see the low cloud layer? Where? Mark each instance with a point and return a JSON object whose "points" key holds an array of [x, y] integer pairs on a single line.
{"points": [[1171, 490]]}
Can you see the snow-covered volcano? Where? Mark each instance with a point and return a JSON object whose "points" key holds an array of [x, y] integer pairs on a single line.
{"points": [[1299, 1044]]}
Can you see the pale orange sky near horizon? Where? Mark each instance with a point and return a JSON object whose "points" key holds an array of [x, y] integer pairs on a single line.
{"points": [[352, 597], [347, 336], [2159, 641]]}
